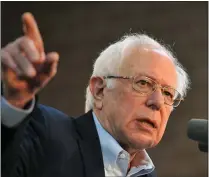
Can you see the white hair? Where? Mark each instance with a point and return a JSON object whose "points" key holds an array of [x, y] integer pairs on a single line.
{"points": [[110, 59]]}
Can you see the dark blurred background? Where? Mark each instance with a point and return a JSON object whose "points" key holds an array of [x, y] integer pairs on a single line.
{"points": [[79, 31]]}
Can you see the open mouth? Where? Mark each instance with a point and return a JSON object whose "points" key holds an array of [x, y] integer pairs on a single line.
{"points": [[147, 122]]}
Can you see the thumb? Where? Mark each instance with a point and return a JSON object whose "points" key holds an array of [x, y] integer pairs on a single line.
{"points": [[52, 57], [51, 63]]}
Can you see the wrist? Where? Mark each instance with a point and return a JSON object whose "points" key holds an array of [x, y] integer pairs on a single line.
{"points": [[17, 103], [16, 99]]}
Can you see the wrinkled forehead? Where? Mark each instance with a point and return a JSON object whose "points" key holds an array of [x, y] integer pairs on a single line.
{"points": [[151, 61]]}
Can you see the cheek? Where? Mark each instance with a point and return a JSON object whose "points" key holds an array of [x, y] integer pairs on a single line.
{"points": [[162, 127], [122, 104], [119, 99], [164, 120], [128, 104], [129, 107]]}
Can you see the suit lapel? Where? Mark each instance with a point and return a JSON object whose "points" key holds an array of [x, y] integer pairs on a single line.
{"points": [[89, 143]]}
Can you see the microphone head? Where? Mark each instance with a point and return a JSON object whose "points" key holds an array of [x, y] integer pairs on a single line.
{"points": [[203, 147], [198, 130]]}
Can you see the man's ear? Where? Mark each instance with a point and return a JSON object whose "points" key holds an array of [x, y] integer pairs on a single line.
{"points": [[97, 85]]}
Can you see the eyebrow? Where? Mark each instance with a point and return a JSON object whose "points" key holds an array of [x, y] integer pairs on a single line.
{"points": [[154, 78]]}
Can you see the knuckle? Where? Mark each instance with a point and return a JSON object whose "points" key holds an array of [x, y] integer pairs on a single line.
{"points": [[26, 40], [27, 45], [11, 49], [23, 41], [20, 39], [6, 59], [4, 55]]}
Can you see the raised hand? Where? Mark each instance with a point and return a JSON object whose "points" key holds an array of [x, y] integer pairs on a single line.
{"points": [[25, 67]]}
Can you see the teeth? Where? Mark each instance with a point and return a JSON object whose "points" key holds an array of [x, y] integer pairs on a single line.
{"points": [[147, 123]]}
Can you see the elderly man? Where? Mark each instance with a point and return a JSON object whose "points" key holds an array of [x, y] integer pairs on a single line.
{"points": [[135, 85]]}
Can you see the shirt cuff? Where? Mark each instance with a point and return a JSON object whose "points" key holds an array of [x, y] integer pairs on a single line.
{"points": [[11, 116]]}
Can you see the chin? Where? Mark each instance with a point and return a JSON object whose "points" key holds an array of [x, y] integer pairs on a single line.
{"points": [[142, 141]]}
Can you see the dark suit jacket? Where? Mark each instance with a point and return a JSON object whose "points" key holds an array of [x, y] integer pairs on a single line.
{"points": [[48, 143]]}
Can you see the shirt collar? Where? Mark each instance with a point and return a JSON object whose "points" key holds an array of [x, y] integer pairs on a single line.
{"points": [[111, 148]]}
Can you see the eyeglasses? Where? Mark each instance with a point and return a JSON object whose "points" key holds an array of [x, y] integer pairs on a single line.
{"points": [[146, 86]]}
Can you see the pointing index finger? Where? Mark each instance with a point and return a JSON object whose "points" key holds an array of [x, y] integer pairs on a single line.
{"points": [[31, 30]]}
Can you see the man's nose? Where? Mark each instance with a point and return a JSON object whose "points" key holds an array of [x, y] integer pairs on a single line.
{"points": [[156, 100]]}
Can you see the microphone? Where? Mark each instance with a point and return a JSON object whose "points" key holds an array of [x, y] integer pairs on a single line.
{"points": [[197, 130]]}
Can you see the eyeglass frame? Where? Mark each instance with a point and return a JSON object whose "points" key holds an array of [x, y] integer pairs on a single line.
{"points": [[156, 85]]}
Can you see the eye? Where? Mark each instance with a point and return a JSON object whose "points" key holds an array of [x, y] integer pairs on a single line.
{"points": [[143, 82], [168, 94], [143, 85]]}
